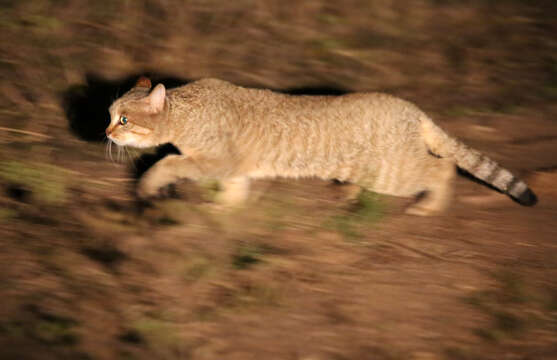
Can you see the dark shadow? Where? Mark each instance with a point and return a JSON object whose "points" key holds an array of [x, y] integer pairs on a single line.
{"points": [[145, 161], [19, 193], [86, 106], [132, 336], [106, 254], [316, 91]]}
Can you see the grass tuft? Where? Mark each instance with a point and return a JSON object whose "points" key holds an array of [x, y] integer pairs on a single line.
{"points": [[7, 214], [47, 183], [367, 210], [246, 256], [509, 306], [249, 254], [106, 255]]}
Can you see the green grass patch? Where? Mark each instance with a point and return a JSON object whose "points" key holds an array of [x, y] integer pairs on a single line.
{"points": [[48, 183], [160, 335], [367, 210], [48, 330], [7, 214], [249, 254], [512, 307], [55, 332], [210, 189]]}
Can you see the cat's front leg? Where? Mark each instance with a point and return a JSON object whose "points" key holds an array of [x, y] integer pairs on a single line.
{"points": [[167, 171], [234, 191]]}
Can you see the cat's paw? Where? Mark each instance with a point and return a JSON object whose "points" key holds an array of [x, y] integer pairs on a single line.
{"points": [[418, 211], [144, 192]]}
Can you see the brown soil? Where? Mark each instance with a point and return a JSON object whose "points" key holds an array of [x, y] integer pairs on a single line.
{"points": [[88, 272]]}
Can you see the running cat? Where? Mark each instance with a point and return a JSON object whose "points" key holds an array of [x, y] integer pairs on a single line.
{"points": [[234, 134]]}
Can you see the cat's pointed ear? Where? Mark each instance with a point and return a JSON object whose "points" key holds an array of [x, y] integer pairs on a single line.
{"points": [[156, 98], [143, 82]]}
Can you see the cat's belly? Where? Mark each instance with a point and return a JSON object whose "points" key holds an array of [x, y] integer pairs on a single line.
{"points": [[303, 169], [261, 173]]}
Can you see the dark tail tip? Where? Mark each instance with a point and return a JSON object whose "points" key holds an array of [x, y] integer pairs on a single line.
{"points": [[527, 198]]}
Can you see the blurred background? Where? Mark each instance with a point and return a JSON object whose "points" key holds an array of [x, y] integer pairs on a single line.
{"points": [[86, 272]]}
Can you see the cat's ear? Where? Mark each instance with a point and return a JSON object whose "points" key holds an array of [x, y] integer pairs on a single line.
{"points": [[156, 98], [143, 82]]}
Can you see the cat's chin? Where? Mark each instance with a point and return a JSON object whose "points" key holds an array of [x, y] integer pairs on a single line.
{"points": [[127, 143]]}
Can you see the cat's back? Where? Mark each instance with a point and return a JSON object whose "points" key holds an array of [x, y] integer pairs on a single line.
{"points": [[229, 103], [376, 104], [207, 87]]}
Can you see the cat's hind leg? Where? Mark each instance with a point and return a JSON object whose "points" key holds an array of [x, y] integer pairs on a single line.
{"points": [[437, 181]]}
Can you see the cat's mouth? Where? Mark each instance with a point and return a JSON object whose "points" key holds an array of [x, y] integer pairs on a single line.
{"points": [[115, 141], [129, 141], [119, 142]]}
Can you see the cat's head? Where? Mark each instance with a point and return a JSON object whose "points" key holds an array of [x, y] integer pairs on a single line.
{"points": [[136, 117]]}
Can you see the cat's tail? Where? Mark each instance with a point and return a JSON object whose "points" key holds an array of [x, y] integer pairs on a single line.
{"points": [[475, 163]]}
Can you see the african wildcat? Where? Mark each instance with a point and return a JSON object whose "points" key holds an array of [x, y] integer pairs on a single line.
{"points": [[234, 134]]}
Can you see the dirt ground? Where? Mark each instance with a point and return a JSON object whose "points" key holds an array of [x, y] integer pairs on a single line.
{"points": [[89, 272]]}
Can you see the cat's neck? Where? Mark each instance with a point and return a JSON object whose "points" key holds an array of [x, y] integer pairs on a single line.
{"points": [[165, 128]]}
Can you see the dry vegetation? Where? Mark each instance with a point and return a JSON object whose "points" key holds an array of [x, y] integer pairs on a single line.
{"points": [[89, 273]]}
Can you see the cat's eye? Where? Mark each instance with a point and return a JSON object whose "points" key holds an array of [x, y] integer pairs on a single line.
{"points": [[123, 120]]}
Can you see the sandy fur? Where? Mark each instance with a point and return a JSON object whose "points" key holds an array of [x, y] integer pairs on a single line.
{"points": [[233, 134]]}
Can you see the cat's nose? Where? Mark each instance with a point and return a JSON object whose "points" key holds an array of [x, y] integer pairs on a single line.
{"points": [[107, 131]]}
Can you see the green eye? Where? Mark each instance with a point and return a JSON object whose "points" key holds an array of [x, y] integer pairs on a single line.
{"points": [[123, 120]]}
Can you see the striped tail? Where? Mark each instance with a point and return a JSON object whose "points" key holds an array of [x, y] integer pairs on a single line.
{"points": [[475, 163]]}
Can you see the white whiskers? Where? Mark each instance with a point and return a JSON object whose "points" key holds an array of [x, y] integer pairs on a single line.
{"points": [[123, 155], [129, 156], [108, 149]]}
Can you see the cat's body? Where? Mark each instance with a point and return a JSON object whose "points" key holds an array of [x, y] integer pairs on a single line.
{"points": [[234, 134]]}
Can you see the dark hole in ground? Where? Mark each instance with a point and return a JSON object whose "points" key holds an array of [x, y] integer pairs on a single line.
{"points": [[107, 255], [19, 193], [132, 337]]}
